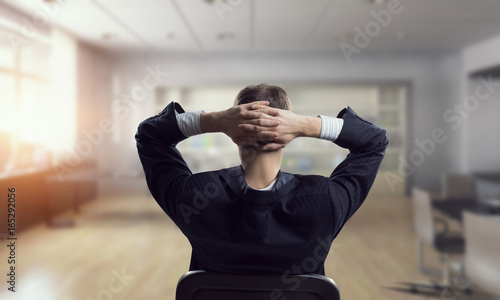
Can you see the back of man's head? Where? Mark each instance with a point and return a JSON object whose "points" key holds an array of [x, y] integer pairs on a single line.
{"points": [[276, 96]]}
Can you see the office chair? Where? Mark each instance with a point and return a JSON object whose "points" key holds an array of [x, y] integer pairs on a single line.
{"points": [[443, 241], [202, 285], [482, 249], [459, 187]]}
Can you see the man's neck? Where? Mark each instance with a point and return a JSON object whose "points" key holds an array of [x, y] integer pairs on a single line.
{"points": [[261, 168]]}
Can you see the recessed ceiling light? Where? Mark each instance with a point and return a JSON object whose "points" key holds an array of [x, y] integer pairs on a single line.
{"points": [[213, 2], [109, 36], [170, 36], [342, 36], [377, 1], [225, 36]]}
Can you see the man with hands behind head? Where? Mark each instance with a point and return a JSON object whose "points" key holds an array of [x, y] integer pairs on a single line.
{"points": [[254, 218]]}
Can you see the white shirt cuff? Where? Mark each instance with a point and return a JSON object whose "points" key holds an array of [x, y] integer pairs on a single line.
{"points": [[330, 128], [189, 123]]}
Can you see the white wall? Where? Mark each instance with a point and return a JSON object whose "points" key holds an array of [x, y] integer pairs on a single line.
{"points": [[451, 88], [483, 135], [94, 97], [437, 83], [481, 138], [430, 93], [482, 55]]}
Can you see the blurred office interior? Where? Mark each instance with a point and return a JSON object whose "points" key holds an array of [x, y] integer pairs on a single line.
{"points": [[77, 77]]}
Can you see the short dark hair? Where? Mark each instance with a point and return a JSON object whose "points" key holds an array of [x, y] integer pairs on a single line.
{"points": [[276, 96]]}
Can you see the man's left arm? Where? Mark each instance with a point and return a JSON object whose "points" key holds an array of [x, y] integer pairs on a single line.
{"points": [[163, 164], [165, 169]]}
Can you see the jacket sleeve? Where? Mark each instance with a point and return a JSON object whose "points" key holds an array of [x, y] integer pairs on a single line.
{"points": [[351, 181], [165, 169]]}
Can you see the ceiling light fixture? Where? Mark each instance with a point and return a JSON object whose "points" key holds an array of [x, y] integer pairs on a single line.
{"points": [[377, 1], [342, 36], [170, 35], [225, 36], [213, 2], [109, 36]]}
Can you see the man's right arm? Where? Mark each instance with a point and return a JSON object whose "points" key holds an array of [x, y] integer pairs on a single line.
{"points": [[352, 179]]}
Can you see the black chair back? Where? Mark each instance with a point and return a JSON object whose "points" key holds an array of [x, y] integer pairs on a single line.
{"points": [[201, 285]]}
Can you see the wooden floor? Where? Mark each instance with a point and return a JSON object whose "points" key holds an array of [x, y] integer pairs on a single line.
{"points": [[127, 248]]}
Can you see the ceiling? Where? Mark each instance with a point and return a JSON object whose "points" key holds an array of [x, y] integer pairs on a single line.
{"points": [[270, 25]]}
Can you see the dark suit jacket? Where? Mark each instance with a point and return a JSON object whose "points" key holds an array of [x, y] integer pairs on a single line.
{"points": [[234, 228]]}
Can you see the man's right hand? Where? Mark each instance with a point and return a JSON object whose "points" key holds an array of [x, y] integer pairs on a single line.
{"points": [[290, 127], [255, 117]]}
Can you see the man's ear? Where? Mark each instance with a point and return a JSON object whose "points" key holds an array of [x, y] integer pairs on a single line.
{"points": [[289, 104]]}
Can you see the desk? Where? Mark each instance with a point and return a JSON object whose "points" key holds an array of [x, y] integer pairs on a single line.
{"points": [[488, 185], [454, 208], [32, 198], [493, 204], [41, 195]]}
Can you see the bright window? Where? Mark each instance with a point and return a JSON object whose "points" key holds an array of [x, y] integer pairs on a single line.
{"points": [[37, 100]]}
